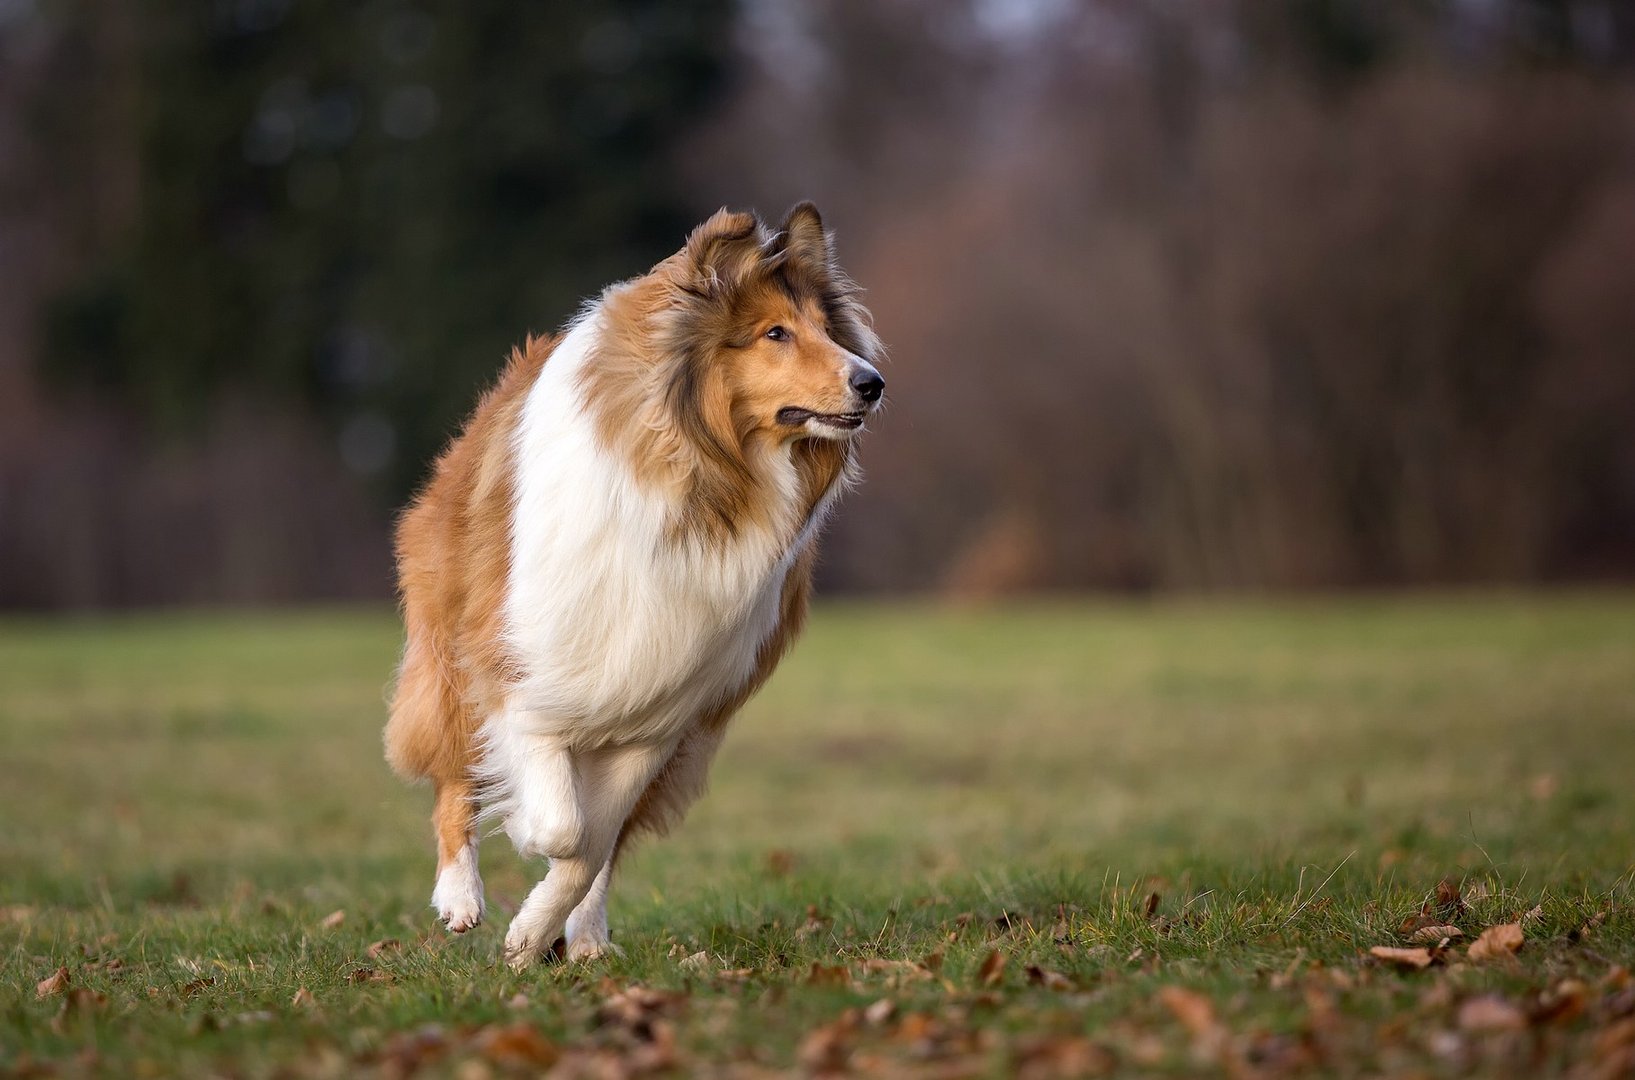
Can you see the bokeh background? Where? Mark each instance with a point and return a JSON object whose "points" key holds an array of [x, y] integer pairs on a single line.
{"points": [[1181, 294]]}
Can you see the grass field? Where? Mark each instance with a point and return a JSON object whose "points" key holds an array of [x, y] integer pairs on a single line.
{"points": [[1052, 840]]}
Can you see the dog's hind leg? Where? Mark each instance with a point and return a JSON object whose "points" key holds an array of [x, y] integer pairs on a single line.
{"points": [[458, 896], [587, 927]]}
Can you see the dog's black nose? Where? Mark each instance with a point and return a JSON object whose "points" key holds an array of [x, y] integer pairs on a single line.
{"points": [[868, 384]]}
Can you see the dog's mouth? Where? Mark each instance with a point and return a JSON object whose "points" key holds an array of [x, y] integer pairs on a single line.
{"points": [[847, 421]]}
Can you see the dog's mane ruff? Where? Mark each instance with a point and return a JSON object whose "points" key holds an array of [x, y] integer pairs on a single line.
{"points": [[658, 391]]}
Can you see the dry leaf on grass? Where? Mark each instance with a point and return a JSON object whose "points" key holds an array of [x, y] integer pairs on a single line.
{"points": [[1196, 1013], [1449, 903], [824, 975], [1563, 1002], [192, 989], [828, 1049], [1491, 1013], [54, 983], [697, 963], [1496, 943], [1403, 959], [1435, 935], [992, 971], [303, 999], [77, 1002], [366, 974], [1050, 980], [516, 1046], [333, 919], [1048, 1056], [816, 923], [880, 1012], [385, 945], [407, 1052], [635, 1007]]}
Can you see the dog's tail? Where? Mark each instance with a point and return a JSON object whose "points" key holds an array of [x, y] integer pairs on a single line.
{"points": [[424, 734]]}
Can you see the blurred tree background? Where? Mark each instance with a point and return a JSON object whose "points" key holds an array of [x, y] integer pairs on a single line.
{"points": [[1184, 294]]}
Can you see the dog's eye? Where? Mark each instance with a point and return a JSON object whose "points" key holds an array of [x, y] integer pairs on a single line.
{"points": [[778, 333]]}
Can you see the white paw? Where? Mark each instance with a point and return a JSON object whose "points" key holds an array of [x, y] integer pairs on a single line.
{"points": [[458, 896], [524, 946], [592, 947]]}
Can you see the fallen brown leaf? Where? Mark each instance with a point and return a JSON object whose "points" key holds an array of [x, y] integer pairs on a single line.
{"points": [[1563, 1002], [303, 999], [1589, 927], [1405, 959], [516, 1045], [824, 975], [1491, 1013], [992, 971], [1449, 904], [54, 983], [385, 945], [815, 923], [197, 986], [1195, 1011], [75, 1003], [407, 1052], [1062, 932], [367, 974], [81, 999], [827, 1049], [880, 1012], [1614, 1038], [635, 1007], [1496, 942], [333, 919], [1047, 1056], [906, 970], [697, 963], [1435, 935], [1196, 1014], [1050, 980], [780, 863]]}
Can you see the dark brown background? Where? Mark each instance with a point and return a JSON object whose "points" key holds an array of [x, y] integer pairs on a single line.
{"points": [[1293, 294]]}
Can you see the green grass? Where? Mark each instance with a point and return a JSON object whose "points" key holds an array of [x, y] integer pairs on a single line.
{"points": [[185, 798]]}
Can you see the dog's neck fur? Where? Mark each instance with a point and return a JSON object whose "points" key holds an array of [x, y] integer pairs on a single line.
{"points": [[619, 613], [656, 408]]}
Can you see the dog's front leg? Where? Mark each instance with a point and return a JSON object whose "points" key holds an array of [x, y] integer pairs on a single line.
{"points": [[611, 779], [545, 818]]}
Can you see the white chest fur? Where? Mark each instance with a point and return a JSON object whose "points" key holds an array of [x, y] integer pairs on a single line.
{"points": [[622, 635]]}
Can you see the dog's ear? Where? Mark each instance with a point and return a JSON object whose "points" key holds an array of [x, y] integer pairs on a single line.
{"points": [[802, 238], [719, 253]]}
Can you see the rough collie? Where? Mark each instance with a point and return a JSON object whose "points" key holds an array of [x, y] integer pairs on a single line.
{"points": [[614, 555]]}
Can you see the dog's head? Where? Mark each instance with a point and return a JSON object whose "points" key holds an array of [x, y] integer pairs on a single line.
{"points": [[767, 328]]}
